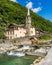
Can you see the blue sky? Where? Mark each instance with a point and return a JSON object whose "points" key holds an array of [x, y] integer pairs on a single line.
{"points": [[41, 7]]}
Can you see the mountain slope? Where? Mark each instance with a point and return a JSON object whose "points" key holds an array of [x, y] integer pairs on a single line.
{"points": [[11, 12]]}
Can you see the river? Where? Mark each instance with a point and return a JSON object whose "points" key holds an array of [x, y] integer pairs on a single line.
{"points": [[13, 60], [17, 57]]}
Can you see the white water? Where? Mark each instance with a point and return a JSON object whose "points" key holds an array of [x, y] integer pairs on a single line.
{"points": [[25, 48], [19, 54], [10, 53], [28, 47]]}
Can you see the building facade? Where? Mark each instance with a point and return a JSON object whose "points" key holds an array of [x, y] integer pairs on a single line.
{"points": [[18, 31]]}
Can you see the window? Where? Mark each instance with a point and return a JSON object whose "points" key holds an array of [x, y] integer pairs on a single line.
{"points": [[10, 37], [16, 35], [8, 32], [31, 31], [13, 32]]}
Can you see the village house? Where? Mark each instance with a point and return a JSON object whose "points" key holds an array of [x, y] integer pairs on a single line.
{"points": [[18, 31]]}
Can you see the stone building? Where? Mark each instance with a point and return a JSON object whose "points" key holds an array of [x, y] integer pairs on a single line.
{"points": [[18, 31]]}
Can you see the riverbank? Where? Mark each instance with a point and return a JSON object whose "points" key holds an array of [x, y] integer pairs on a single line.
{"points": [[8, 45], [4, 47], [27, 48], [47, 60]]}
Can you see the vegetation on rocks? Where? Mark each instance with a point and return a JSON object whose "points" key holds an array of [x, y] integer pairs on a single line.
{"points": [[45, 37], [44, 43]]}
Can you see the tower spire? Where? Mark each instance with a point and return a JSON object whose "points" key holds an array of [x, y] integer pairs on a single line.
{"points": [[28, 23], [28, 12]]}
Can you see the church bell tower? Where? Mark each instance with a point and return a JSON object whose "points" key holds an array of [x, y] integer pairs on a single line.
{"points": [[28, 23]]}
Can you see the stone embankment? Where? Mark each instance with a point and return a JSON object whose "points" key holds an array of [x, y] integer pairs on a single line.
{"points": [[44, 61], [4, 47], [37, 60]]}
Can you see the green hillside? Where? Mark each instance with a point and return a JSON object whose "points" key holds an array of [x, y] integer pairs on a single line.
{"points": [[11, 12]]}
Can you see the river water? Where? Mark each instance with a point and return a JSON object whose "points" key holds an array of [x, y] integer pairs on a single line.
{"points": [[13, 60]]}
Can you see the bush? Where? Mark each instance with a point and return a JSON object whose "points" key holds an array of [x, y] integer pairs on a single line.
{"points": [[44, 37]]}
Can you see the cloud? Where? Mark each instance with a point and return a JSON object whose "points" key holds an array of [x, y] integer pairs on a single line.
{"points": [[13, 0], [29, 5], [36, 10]]}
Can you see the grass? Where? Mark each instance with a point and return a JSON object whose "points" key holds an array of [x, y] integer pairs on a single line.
{"points": [[45, 37], [43, 43]]}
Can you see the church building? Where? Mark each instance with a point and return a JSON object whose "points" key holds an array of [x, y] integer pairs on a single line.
{"points": [[19, 31]]}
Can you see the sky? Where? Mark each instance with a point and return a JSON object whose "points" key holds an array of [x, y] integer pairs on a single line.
{"points": [[41, 7]]}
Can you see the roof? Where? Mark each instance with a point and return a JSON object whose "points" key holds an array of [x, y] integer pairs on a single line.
{"points": [[15, 25]]}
